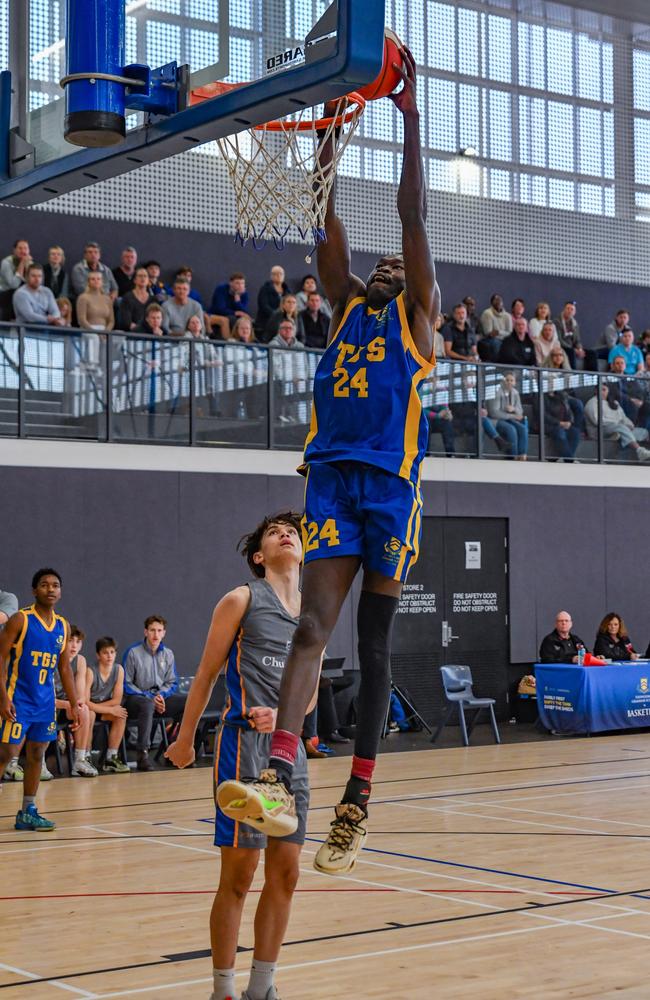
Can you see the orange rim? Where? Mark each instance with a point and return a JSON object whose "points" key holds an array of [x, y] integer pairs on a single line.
{"points": [[211, 90]]}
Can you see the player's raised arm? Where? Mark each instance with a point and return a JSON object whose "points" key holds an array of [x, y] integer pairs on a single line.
{"points": [[334, 259], [226, 619], [422, 292]]}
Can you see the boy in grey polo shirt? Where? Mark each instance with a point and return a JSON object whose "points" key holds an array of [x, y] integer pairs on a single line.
{"points": [[151, 684]]}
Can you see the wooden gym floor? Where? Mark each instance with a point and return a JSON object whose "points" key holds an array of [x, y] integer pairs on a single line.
{"points": [[492, 872]]}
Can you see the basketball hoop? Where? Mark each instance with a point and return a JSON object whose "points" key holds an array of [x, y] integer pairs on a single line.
{"points": [[275, 169]]}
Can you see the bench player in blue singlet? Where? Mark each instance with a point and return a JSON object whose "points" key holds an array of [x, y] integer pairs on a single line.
{"points": [[33, 644], [249, 636], [362, 459]]}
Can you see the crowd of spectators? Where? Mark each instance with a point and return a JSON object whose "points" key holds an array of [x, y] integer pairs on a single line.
{"points": [[93, 296]]}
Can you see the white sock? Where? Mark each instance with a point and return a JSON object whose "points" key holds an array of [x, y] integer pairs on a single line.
{"points": [[261, 979], [224, 984], [79, 755], [110, 754]]}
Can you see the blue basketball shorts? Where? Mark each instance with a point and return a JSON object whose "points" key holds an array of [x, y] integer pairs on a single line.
{"points": [[30, 724], [355, 509]]}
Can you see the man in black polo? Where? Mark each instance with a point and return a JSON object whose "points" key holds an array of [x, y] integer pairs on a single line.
{"points": [[460, 339], [313, 323], [561, 645], [518, 348]]}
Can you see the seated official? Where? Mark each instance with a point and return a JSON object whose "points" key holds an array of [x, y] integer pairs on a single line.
{"points": [[561, 645], [612, 640], [151, 685]]}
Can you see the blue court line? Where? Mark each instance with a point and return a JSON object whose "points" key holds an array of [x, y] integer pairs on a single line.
{"points": [[477, 868]]}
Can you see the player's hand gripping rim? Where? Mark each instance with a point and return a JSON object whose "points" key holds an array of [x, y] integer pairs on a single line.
{"points": [[405, 100]]}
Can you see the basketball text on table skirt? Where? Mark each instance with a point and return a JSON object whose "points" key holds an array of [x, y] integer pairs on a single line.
{"points": [[573, 699]]}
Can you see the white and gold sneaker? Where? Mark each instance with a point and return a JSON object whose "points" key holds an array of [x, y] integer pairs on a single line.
{"points": [[347, 835], [265, 804]]}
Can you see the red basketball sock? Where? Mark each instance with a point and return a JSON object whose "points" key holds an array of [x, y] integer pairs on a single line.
{"points": [[362, 768]]}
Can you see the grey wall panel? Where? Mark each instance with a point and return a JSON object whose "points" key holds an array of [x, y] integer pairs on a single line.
{"points": [[131, 543]]}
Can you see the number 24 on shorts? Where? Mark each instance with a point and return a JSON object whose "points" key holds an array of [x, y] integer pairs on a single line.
{"points": [[313, 536]]}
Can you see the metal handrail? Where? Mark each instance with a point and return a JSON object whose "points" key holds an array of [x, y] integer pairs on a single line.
{"points": [[137, 375]]}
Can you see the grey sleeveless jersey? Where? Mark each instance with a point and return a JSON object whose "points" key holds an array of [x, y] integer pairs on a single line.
{"points": [[258, 654], [59, 691], [102, 690]]}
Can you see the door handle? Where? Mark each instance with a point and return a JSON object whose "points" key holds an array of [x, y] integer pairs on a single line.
{"points": [[447, 634]]}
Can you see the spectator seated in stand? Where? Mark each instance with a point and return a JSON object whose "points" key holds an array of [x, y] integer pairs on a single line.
{"points": [[180, 307], [611, 335], [13, 271], [194, 329], [473, 320], [507, 412], [307, 286], [124, 273], [518, 348], [83, 766], [229, 302], [313, 323], [243, 331], [627, 349], [561, 645], [94, 306], [440, 420], [288, 310], [65, 308], [542, 316], [557, 359], [518, 311], [156, 285], [33, 303], [133, 305], [459, 338], [286, 336], [633, 394], [613, 641], [568, 330], [617, 425], [104, 693], [563, 419], [268, 300], [546, 341], [643, 343], [151, 685], [496, 325], [92, 264], [154, 320], [55, 276]]}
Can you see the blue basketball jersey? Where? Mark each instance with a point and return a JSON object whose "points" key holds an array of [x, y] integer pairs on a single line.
{"points": [[32, 662], [366, 405]]}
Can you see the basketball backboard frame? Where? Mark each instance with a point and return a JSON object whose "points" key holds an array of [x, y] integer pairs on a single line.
{"points": [[345, 58]]}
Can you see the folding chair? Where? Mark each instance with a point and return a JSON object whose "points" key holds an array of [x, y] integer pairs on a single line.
{"points": [[64, 727], [457, 682]]}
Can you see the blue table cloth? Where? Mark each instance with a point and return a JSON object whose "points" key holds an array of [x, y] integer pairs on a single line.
{"points": [[573, 699]]}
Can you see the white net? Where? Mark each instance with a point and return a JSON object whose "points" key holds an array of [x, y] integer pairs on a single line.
{"points": [[282, 173]]}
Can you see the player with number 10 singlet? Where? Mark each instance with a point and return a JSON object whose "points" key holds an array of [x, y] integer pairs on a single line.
{"points": [[362, 460]]}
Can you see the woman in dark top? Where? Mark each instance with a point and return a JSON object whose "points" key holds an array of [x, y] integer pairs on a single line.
{"points": [[612, 641], [133, 305], [268, 299]]}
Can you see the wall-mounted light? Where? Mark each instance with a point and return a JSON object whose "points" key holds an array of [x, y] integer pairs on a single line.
{"points": [[469, 151]]}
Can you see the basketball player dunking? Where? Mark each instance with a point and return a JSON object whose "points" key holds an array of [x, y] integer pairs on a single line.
{"points": [[362, 503], [251, 630]]}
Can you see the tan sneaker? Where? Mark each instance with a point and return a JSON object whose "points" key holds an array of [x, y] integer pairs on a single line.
{"points": [[265, 804], [347, 835]]}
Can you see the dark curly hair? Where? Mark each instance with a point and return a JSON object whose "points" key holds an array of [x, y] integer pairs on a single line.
{"points": [[251, 543]]}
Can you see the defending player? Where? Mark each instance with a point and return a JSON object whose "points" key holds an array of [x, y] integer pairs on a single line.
{"points": [[33, 644], [362, 459], [251, 629]]}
